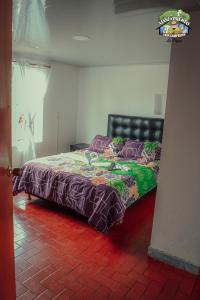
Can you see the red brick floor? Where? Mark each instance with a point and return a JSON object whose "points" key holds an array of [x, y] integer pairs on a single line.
{"points": [[59, 256]]}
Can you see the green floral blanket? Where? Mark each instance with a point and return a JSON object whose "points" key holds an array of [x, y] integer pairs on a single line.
{"points": [[145, 177]]}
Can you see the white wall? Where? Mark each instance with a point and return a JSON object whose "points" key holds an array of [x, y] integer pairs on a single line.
{"points": [[60, 100], [176, 229], [128, 90]]}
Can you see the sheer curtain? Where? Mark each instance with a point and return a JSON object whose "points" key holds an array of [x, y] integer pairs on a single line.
{"points": [[30, 29], [30, 25], [29, 87]]}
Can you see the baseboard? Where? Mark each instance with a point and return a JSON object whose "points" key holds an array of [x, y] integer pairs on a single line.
{"points": [[173, 261]]}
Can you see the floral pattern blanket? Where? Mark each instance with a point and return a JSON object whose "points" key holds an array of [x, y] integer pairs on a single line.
{"points": [[96, 189]]}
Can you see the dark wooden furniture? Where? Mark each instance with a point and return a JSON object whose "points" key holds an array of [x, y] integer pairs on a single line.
{"points": [[80, 146]]}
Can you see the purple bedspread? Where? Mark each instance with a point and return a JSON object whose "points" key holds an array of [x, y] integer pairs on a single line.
{"points": [[101, 204]]}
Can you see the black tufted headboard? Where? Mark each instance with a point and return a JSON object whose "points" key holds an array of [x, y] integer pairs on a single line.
{"points": [[135, 128]]}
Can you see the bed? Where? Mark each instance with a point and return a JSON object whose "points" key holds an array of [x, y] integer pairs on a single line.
{"points": [[96, 189]]}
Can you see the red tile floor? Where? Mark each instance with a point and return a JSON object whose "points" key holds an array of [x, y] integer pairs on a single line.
{"points": [[59, 256]]}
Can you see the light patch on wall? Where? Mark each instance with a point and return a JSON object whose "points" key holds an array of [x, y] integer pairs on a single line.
{"points": [[30, 26], [159, 104]]}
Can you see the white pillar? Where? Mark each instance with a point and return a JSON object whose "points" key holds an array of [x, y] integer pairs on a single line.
{"points": [[176, 229]]}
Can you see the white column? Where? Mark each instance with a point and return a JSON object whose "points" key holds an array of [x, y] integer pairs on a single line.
{"points": [[176, 229]]}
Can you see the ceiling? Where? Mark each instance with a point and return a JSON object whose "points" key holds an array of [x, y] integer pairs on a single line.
{"points": [[115, 39]]}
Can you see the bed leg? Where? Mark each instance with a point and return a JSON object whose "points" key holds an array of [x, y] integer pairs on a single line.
{"points": [[28, 196]]}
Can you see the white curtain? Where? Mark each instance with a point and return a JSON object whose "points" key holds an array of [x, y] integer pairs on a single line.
{"points": [[29, 87], [30, 27]]}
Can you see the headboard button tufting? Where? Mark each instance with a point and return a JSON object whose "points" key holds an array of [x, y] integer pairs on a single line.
{"points": [[136, 128]]}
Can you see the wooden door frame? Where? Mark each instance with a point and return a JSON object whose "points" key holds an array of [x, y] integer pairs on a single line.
{"points": [[7, 270]]}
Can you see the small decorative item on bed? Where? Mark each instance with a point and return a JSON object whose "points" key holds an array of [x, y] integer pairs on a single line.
{"points": [[102, 181]]}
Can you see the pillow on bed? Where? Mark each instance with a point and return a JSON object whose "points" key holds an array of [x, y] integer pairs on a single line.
{"points": [[151, 151], [117, 144], [114, 147], [100, 143], [158, 152], [132, 149]]}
